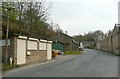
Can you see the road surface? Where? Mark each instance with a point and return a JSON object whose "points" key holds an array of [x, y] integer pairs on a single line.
{"points": [[93, 63]]}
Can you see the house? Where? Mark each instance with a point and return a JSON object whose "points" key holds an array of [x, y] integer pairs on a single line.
{"points": [[88, 44], [69, 43]]}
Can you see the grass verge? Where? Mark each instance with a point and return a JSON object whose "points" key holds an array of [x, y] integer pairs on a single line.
{"points": [[72, 52], [7, 66]]}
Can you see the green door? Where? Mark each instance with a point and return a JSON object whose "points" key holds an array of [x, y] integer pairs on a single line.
{"points": [[58, 46]]}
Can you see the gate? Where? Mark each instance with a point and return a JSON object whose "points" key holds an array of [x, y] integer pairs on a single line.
{"points": [[49, 51], [21, 51]]}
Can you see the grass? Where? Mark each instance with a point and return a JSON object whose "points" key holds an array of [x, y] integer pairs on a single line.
{"points": [[72, 52], [7, 66]]}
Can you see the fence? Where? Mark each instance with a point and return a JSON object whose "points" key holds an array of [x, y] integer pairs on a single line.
{"points": [[27, 50], [112, 42]]}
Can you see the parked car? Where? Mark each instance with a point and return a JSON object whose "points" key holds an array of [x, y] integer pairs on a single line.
{"points": [[57, 52]]}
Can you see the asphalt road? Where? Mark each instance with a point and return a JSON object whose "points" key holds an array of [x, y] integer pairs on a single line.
{"points": [[93, 63]]}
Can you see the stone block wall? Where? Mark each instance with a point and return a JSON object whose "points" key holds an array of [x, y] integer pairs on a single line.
{"points": [[112, 42], [36, 56]]}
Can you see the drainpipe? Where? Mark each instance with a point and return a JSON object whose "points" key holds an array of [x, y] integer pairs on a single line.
{"points": [[118, 34], [112, 43]]}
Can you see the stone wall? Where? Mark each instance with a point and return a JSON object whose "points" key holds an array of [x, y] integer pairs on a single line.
{"points": [[115, 43], [36, 56], [112, 42]]}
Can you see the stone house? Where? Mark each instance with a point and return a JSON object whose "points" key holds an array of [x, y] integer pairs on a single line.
{"points": [[69, 43]]}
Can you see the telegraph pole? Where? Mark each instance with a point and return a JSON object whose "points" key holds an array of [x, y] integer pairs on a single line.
{"points": [[6, 52]]}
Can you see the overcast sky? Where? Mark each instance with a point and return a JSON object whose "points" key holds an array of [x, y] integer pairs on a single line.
{"points": [[82, 16]]}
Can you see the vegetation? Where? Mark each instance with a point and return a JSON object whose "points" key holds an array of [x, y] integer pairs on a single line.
{"points": [[7, 66], [91, 36], [27, 18], [72, 52]]}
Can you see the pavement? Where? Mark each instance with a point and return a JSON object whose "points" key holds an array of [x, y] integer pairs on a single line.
{"points": [[93, 63]]}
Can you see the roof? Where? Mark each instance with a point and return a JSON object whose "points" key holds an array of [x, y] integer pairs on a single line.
{"points": [[75, 41], [117, 27]]}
